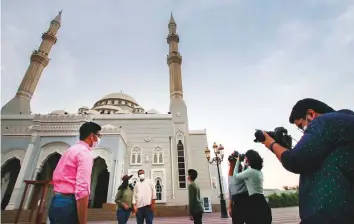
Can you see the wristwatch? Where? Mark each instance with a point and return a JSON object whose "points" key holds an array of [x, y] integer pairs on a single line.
{"points": [[271, 146]]}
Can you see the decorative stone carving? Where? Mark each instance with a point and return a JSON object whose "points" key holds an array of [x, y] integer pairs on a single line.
{"points": [[22, 131], [147, 138], [179, 129], [12, 153], [49, 149], [67, 118], [178, 114], [110, 129]]}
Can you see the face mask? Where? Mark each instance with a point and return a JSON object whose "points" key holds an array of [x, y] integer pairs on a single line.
{"points": [[142, 176], [307, 123], [95, 144]]}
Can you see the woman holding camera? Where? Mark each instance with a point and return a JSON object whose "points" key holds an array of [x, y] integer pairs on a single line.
{"points": [[258, 210], [238, 194]]}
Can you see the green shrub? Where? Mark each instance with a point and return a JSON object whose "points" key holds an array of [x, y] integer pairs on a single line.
{"points": [[283, 199]]}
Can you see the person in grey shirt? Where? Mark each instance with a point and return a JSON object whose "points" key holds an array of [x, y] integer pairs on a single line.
{"points": [[238, 194], [258, 211]]}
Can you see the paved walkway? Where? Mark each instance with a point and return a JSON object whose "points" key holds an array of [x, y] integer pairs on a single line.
{"points": [[280, 216]]}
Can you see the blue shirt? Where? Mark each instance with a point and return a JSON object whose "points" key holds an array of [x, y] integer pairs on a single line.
{"points": [[324, 158], [236, 187]]}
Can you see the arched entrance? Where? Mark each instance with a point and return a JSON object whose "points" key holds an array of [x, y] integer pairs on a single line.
{"points": [[46, 173], [99, 183], [9, 173]]}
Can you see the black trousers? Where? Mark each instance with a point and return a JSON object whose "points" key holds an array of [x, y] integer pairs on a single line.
{"points": [[197, 217], [259, 211], [239, 208]]}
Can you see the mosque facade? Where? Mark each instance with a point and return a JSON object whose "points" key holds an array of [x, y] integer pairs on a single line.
{"points": [[133, 139]]}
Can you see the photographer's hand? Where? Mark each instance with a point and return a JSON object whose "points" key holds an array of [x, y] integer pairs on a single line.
{"points": [[268, 140], [277, 149]]}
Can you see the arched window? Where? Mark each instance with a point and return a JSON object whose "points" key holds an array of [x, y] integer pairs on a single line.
{"points": [[136, 154], [158, 188], [181, 165], [158, 155]]}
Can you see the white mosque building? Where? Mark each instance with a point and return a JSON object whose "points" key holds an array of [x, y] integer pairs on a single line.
{"points": [[133, 139]]}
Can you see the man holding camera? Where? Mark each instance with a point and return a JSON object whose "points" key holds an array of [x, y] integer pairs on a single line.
{"points": [[324, 158]]}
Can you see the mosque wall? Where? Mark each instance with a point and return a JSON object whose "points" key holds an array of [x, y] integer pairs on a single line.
{"points": [[147, 147], [207, 173], [145, 143]]}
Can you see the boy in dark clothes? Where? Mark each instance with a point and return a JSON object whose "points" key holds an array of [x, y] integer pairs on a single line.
{"points": [[195, 205]]}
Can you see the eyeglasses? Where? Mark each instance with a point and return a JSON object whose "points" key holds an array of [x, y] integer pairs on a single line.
{"points": [[98, 135]]}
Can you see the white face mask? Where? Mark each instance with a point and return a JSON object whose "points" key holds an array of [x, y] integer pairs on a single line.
{"points": [[142, 176], [95, 144], [307, 123]]}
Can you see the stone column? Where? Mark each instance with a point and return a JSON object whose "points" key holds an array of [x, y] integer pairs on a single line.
{"points": [[19, 185], [93, 185], [114, 179]]}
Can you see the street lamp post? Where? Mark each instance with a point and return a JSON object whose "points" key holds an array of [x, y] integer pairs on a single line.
{"points": [[219, 157]]}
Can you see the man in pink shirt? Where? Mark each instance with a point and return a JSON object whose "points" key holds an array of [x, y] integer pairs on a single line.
{"points": [[72, 179]]}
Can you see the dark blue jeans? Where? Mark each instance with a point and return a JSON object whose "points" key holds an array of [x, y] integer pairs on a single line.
{"points": [[144, 213], [62, 210], [123, 215]]}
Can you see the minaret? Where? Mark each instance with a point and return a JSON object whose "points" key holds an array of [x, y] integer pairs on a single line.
{"points": [[174, 61], [178, 108], [20, 104]]}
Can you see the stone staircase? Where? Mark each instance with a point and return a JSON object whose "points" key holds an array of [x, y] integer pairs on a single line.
{"points": [[94, 214], [8, 216], [99, 214], [107, 213]]}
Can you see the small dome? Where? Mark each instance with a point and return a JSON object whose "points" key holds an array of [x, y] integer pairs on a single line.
{"points": [[108, 126], [121, 96], [84, 107], [92, 112], [59, 112], [152, 111]]}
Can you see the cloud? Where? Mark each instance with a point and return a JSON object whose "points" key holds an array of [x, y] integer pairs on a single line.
{"points": [[244, 63]]}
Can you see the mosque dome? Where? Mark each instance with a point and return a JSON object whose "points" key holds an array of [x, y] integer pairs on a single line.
{"points": [[117, 103], [59, 112], [121, 96]]}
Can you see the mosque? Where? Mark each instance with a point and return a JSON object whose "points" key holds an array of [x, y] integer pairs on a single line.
{"points": [[133, 139]]}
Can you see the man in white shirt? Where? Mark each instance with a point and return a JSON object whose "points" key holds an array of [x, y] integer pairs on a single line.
{"points": [[144, 199]]}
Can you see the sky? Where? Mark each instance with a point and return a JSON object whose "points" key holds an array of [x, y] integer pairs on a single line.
{"points": [[245, 63]]}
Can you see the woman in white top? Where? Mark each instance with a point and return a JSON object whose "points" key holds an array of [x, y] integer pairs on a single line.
{"points": [[259, 211]]}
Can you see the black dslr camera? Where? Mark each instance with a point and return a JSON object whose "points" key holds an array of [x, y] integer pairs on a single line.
{"points": [[234, 155], [280, 135]]}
